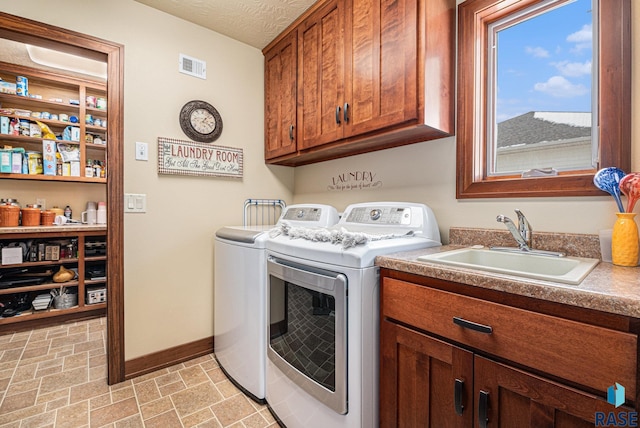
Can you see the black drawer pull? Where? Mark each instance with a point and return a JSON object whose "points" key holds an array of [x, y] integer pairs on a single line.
{"points": [[338, 115], [483, 409], [346, 112], [291, 132], [487, 329], [457, 396]]}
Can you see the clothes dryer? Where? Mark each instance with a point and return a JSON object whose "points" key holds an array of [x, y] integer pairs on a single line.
{"points": [[240, 295]]}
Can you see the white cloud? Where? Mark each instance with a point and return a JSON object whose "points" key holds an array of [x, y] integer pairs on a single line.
{"points": [[559, 87], [583, 35], [582, 39], [573, 69], [537, 52]]}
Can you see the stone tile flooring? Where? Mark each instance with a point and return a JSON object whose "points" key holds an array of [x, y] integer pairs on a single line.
{"points": [[56, 377]]}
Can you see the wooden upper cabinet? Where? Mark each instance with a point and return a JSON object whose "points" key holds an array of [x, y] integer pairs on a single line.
{"points": [[372, 74], [280, 77], [382, 60], [321, 75]]}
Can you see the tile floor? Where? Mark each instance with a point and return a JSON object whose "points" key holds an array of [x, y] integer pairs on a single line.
{"points": [[56, 377]]}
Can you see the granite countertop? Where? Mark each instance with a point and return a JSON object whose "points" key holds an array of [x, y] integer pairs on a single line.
{"points": [[72, 227], [607, 288]]}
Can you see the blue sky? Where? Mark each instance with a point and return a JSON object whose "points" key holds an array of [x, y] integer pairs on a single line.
{"points": [[544, 63]]}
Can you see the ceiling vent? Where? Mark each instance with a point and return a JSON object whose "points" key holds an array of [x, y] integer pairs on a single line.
{"points": [[193, 66]]}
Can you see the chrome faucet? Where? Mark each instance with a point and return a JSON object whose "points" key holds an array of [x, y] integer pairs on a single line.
{"points": [[522, 234]]}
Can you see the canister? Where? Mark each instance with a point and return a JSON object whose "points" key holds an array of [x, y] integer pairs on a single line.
{"points": [[22, 86], [47, 217], [101, 216], [57, 211], [9, 215], [31, 216]]}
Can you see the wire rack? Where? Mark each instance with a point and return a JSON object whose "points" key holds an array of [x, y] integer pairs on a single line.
{"points": [[262, 212]]}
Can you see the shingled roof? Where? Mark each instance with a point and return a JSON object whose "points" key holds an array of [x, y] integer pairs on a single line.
{"points": [[535, 127]]}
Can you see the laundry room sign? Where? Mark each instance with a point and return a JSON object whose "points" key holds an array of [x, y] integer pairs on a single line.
{"points": [[188, 158], [354, 180]]}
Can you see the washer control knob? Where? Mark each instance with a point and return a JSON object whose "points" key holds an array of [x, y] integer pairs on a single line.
{"points": [[375, 214], [300, 213]]}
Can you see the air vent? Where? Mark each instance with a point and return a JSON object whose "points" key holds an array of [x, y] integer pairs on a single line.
{"points": [[192, 66]]}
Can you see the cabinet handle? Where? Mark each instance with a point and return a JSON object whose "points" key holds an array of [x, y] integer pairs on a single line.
{"points": [[346, 112], [291, 132], [338, 115], [487, 329], [457, 396], [483, 406]]}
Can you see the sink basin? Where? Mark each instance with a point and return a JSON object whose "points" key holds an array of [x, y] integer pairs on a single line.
{"points": [[568, 270]]}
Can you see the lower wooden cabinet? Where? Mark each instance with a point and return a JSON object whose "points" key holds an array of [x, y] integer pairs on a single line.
{"points": [[423, 380], [430, 379]]}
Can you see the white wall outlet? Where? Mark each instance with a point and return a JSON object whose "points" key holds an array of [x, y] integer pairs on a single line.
{"points": [[142, 151], [42, 202]]}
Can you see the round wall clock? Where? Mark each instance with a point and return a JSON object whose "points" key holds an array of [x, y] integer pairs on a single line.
{"points": [[200, 121]]}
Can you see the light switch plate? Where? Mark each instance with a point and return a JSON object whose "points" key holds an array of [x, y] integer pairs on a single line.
{"points": [[135, 203], [142, 151]]}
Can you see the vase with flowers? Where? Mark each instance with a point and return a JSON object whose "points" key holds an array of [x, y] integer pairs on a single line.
{"points": [[625, 245]]}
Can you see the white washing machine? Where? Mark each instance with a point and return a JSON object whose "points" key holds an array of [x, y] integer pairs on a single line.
{"points": [[323, 317], [240, 295]]}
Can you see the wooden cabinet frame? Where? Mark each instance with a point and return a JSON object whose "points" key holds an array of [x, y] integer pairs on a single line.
{"points": [[614, 99], [41, 34]]}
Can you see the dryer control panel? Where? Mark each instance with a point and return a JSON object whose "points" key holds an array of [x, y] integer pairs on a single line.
{"points": [[310, 215], [380, 215]]}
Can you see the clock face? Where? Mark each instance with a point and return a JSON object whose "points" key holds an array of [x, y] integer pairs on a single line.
{"points": [[200, 121], [203, 121]]}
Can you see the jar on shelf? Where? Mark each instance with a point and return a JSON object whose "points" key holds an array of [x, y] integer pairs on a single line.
{"points": [[31, 216], [9, 215], [88, 170], [47, 218]]}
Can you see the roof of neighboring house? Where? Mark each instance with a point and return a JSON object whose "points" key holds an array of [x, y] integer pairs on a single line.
{"points": [[535, 127]]}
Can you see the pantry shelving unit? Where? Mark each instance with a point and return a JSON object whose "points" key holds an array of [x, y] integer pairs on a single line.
{"points": [[65, 97], [83, 235], [52, 93]]}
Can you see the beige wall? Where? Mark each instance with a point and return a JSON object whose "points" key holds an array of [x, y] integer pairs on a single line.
{"points": [[425, 173], [169, 250]]}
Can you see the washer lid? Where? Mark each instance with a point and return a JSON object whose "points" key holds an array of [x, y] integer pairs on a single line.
{"points": [[244, 234]]}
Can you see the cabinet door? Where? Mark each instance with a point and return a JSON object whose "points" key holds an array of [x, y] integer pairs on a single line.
{"points": [[424, 382], [321, 76], [382, 64], [513, 398], [280, 98]]}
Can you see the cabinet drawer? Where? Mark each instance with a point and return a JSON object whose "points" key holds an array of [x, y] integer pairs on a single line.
{"points": [[588, 355]]}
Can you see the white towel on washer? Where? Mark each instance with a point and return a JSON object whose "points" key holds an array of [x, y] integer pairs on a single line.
{"points": [[334, 235]]}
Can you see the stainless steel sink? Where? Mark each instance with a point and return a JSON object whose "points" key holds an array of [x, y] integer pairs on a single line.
{"points": [[568, 270]]}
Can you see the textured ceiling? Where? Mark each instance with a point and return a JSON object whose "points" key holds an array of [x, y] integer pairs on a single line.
{"points": [[254, 22]]}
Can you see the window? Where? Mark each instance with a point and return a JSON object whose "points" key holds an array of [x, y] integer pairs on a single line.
{"points": [[541, 107]]}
